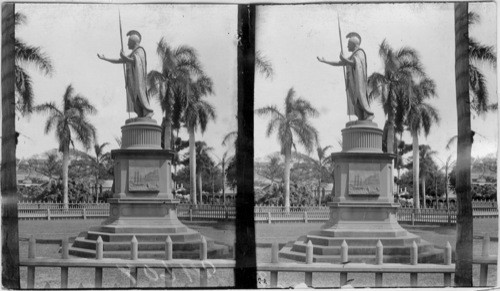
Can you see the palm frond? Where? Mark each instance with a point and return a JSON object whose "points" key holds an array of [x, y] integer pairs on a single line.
{"points": [[482, 53], [30, 55], [478, 90], [24, 90], [229, 137], [20, 18], [263, 65]]}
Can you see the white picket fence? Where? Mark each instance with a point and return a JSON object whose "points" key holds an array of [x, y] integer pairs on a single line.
{"points": [[262, 214]]}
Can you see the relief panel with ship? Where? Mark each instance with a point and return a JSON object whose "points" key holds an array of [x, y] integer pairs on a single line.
{"points": [[144, 175]]}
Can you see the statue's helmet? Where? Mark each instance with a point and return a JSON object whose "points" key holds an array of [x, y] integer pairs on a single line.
{"points": [[354, 37], [135, 36]]}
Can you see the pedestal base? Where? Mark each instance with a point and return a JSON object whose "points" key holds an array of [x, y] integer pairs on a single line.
{"points": [[362, 226], [151, 222]]}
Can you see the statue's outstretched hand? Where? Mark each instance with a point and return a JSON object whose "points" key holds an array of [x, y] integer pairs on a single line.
{"points": [[321, 59], [101, 56]]}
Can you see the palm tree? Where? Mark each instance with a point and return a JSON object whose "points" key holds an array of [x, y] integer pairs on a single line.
{"points": [[203, 163], [463, 265], [8, 183], [71, 120], [26, 55], [393, 88], [294, 121], [425, 167], [479, 54], [197, 114], [169, 85], [98, 162]]}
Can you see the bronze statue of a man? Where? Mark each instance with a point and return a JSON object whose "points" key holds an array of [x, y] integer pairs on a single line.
{"points": [[356, 78], [136, 73]]}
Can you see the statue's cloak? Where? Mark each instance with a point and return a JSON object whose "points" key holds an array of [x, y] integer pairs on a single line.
{"points": [[137, 97], [357, 93]]}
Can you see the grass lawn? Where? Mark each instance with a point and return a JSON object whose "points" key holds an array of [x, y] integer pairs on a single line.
{"points": [[224, 232]]}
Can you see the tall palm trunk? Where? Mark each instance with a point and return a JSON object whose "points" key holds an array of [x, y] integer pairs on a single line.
{"points": [[10, 232], [192, 166], [423, 193], [416, 171], [288, 160], [463, 266], [200, 188], [65, 166]]}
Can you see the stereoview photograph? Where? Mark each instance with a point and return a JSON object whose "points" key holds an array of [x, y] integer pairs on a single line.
{"points": [[375, 139]]}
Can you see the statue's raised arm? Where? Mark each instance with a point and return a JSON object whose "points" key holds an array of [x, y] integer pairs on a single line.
{"points": [[135, 76]]}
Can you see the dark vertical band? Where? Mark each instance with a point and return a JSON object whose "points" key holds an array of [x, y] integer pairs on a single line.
{"points": [[10, 233], [245, 272]]}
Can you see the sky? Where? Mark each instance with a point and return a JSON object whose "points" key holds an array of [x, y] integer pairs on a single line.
{"points": [[291, 37], [72, 35]]}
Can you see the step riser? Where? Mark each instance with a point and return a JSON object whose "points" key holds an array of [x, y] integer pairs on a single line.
{"points": [[175, 229], [342, 233], [362, 251], [215, 254], [423, 258], [145, 247], [145, 238], [363, 242]]}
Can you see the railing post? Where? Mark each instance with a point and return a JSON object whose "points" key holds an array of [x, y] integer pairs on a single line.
{"points": [[190, 214], [168, 248], [483, 271], [413, 218], [274, 260], [31, 255], [305, 217], [344, 252], [379, 258], [48, 213], [413, 279], [64, 256], [134, 255], [309, 260], [269, 217], [414, 254], [203, 249], [84, 213], [134, 248], [486, 245]]}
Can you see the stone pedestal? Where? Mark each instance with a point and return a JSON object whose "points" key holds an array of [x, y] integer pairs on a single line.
{"points": [[143, 204], [362, 211]]}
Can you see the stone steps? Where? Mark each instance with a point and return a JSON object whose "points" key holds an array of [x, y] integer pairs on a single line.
{"points": [[299, 246], [363, 241], [216, 252], [151, 237], [142, 246], [431, 256]]}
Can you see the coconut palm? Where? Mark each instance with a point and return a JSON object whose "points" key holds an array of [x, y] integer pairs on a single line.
{"points": [[68, 122], [463, 265], [98, 162], [393, 88], [196, 115], [479, 54], [292, 126], [426, 165], [421, 116], [203, 164], [25, 56], [169, 85]]}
